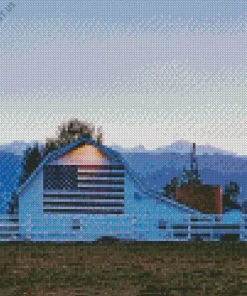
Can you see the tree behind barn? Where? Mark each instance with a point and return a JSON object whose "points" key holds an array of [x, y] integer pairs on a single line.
{"points": [[31, 159], [188, 177], [71, 131], [231, 191], [66, 133]]}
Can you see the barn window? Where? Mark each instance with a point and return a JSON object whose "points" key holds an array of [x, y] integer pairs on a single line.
{"points": [[162, 224], [76, 224]]}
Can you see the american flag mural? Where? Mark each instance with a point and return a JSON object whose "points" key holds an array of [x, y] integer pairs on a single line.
{"points": [[58, 177], [83, 189]]}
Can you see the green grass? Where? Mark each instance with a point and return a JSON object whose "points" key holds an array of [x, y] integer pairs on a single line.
{"points": [[134, 269]]}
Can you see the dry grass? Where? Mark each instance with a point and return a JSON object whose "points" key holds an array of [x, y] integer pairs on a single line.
{"points": [[124, 269]]}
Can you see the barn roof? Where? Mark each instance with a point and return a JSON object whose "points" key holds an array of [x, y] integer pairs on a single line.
{"points": [[109, 152], [62, 150]]}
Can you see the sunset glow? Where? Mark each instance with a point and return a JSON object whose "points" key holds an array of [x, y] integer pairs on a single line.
{"points": [[85, 154]]}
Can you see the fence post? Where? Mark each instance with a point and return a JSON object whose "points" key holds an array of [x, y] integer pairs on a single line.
{"points": [[244, 225], [133, 228], [172, 230], [242, 228], [212, 229], [28, 227], [244, 221], [189, 226], [169, 230], [211, 225]]}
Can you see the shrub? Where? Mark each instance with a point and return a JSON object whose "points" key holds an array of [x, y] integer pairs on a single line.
{"points": [[108, 239], [230, 237]]}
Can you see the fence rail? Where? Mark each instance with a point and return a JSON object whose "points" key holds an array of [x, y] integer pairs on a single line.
{"points": [[138, 227]]}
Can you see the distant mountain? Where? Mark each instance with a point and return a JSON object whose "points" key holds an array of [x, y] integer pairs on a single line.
{"points": [[156, 170], [136, 149], [16, 147], [181, 146]]}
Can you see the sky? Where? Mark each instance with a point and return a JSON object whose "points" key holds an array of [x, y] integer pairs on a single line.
{"points": [[149, 72]]}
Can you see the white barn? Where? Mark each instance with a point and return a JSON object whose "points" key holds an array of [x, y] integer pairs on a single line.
{"points": [[84, 191]]}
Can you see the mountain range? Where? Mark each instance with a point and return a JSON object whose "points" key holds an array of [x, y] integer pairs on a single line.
{"points": [[155, 168], [180, 146], [16, 147]]}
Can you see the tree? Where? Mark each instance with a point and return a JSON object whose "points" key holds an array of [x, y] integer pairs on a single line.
{"points": [[170, 189], [33, 155], [71, 131], [13, 203], [32, 158], [231, 191], [188, 177], [99, 136]]}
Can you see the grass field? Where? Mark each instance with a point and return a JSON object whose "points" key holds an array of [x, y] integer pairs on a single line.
{"points": [[128, 269]]}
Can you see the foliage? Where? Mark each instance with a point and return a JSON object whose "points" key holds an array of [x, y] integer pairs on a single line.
{"points": [[71, 131], [32, 158], [230, 237], [13, 203], [33, 155], [170, 189], [191, 177], [231, 191], [188, 177]]}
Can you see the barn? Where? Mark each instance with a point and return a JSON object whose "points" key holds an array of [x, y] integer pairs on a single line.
{"points": [[84, 191]]}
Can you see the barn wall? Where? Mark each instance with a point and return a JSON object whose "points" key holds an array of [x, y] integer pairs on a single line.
{"points": [[31, 201], [141, 213], [140, 218], [147, 211], [139, 203]]}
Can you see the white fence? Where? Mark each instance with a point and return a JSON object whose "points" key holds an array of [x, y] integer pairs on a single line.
{"points": [[88, 228], [9, 227]]}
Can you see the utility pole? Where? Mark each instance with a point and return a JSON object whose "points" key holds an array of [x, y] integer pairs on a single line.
{"points": [[193, 163]]}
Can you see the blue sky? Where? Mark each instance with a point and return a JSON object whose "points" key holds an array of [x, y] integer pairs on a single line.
{"points": [[148, 72], [129, 10]]}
